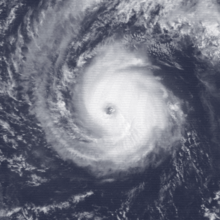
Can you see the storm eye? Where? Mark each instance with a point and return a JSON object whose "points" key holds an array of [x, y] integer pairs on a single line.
{"points": [[110, 110]]}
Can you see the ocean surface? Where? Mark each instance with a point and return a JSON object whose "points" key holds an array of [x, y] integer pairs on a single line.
{"points": [[109, 109]]}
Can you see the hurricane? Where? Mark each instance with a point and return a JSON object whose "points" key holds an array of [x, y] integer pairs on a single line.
{"points": [[104, 109]]}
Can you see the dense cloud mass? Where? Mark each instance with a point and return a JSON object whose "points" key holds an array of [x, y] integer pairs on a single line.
{"points": [[125, 112], [111, 92]]}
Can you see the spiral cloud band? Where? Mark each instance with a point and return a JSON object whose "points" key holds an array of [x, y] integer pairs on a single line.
{"points": [[108, 114]]}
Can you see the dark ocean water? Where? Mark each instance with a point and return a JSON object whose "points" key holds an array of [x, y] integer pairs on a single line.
{"points": [[38, 38]]}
